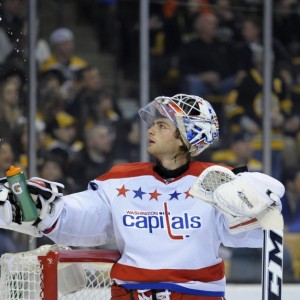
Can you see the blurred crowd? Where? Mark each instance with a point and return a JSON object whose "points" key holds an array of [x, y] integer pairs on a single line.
{"points": [[212, 48]]}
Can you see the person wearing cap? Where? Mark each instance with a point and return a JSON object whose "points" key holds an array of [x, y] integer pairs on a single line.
{"points": [[63, 136], [63, 60], [167, 236]]}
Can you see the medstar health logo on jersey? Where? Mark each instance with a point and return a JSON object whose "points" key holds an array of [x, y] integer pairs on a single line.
{"points": [[155, 220]]}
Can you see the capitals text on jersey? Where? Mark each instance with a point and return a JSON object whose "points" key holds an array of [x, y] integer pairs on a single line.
{"points": [[161, 220]]}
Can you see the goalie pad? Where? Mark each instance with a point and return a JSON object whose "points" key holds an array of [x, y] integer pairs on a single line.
{"points": [[247, 200]]}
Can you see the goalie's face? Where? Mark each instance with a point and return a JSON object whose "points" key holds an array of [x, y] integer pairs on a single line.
{"points": [[162, 141]]}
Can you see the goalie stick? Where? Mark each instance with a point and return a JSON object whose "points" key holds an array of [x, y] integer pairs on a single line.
{"points": [[272, 224], [272, 265]]}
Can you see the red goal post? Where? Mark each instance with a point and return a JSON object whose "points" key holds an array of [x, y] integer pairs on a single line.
{"points": [[54, 272]]}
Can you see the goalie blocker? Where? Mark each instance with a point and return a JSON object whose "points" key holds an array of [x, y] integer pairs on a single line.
{"points": [[248, 201]]}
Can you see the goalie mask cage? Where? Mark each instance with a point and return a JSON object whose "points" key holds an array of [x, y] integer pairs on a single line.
{"points": [[51, 272]]}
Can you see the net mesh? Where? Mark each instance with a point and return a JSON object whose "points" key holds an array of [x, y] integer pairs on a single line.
{"points": [[22, 277]]}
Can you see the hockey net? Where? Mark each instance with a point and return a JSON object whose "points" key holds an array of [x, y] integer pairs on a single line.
{"points": [[53, 272]]}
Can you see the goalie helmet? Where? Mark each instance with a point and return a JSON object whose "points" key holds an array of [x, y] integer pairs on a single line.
{"points": [[193, 116]]}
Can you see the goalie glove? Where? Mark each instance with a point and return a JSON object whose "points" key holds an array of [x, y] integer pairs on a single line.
{"points": [[10, 207], [47, 198], [247, 200], [44, 193]]}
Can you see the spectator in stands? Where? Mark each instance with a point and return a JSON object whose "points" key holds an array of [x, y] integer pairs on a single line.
{"points": [[89, 88], [240, 153], [16, 76], [228, 20], [11, 113], [292, 128], [290, 107], [245, 110], [166, 28], [127, 54], [206, 64], [63, 133], [286, 22], [104, 13], [127, 146], [251, 41], [291, 199], [50, 97], [63, 58], [53, 168], [7, 157], [20, 142], [192, 10], [12, 19], [103, 110], [12, 27], [5, 46], [96, 157]]}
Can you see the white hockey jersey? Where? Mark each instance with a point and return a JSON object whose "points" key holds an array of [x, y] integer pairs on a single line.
{"points": [[167, 238]]}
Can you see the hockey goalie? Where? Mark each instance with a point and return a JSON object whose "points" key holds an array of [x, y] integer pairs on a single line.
{"points": [[168, 217]]}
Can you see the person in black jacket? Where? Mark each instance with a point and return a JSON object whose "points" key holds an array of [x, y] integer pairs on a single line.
{"points": [[205, 63]]}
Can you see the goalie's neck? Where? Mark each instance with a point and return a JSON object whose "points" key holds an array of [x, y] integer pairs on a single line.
{"points": [[168, 174]]}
